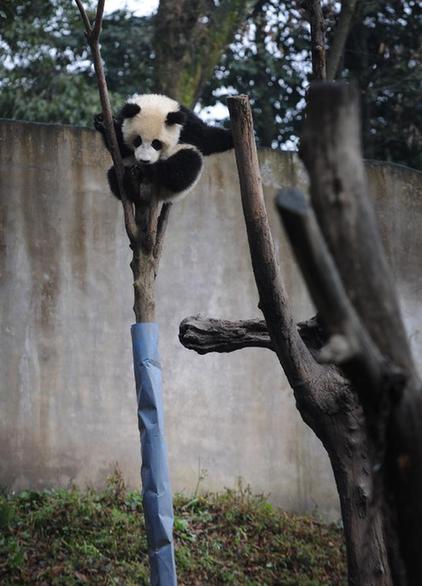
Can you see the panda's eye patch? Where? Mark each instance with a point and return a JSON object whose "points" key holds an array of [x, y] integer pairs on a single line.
{"points": [[157, 145], [137, 142]]}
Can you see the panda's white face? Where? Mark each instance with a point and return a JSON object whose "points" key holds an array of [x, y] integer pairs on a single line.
{"points": [[148, 131], [147, 152]]}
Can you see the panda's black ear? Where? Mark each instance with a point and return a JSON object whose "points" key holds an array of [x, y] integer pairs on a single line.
{"points": [[177, 117], [129, 110]]}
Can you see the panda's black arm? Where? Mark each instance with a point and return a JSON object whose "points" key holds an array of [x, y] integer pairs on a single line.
{"points": [[99, 126], [177, 173], [208, 139]]}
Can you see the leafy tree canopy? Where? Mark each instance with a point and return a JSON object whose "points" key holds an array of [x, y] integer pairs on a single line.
{"points": [[384, 55], [46, 72], [270, 61]]}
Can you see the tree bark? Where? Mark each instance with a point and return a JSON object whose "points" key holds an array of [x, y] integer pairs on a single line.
{"points": [[324, 397], [341, 32], [349, 449], [196, 33], [332, 410], [317, 22], [206, 335], [331, 152]]}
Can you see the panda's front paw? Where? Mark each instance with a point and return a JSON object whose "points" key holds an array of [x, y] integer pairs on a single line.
{"points": [[136, 174], [148, 173]]}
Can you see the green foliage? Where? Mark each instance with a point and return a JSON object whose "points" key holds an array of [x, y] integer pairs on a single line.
{"points": [[68, 537], [43, 45], [384, 56], [46, 72], [270, 61], [126, 45]]}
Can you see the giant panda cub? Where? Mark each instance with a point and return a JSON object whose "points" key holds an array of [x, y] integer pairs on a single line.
{"points": [[162, 142]]}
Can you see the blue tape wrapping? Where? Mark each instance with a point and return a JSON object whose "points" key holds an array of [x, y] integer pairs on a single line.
{"points": [[156, 490]]}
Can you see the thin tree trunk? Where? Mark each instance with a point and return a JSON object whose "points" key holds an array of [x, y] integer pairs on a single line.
{"points": [[143, 268], [317, 22], [341, 33]]}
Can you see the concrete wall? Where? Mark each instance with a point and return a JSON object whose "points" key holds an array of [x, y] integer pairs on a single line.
{"points": [[67, 399]]}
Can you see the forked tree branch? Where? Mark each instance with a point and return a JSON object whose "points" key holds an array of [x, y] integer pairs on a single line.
{"points": [[145, 227], [92, 33]]}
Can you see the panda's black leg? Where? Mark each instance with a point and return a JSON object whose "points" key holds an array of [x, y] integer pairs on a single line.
{"points": [[208, 139], [112, 181], [132, 180]]}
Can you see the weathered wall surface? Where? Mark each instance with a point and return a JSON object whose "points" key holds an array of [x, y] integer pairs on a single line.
{"points": [[67, 398]]}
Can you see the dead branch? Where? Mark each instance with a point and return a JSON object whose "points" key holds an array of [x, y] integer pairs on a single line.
{"points": [[294, 357], [205, 335], [324, 397], [92, 33], [340, 35]]}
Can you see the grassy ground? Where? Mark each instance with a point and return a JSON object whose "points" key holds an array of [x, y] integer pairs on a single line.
{"points": [[67, 537]]}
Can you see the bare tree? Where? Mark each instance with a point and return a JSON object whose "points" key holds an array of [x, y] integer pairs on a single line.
{"points": [[350, 368]]}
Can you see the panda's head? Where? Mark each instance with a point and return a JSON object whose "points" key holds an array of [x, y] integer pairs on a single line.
{"points": [[151, 126]]}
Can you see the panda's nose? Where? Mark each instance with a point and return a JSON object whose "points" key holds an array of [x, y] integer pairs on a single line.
{"points": [[144, 161]]}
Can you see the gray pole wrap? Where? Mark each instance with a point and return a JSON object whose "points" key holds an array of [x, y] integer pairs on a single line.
{"points": [[156, 490]]}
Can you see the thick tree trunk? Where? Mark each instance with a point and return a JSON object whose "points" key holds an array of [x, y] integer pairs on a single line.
{"points": [[332, 154], [331, 408], [196, 33], [348, 447]]}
